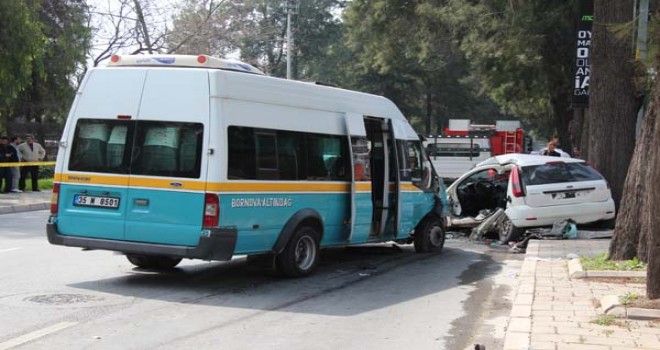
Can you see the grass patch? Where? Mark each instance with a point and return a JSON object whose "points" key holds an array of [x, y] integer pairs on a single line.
{"points": [[628, 298], [600, 262], [604, 320], [45, 184]]}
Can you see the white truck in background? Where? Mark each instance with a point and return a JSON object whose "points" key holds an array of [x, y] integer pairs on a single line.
{"points": [[463, 145]]}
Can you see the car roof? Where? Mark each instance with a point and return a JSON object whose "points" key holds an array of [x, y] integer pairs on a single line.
{"points": [[526, 160]]}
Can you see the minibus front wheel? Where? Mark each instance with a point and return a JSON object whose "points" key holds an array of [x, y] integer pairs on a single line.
{"points": [[301, 253], [153, 262], [429, 235]]}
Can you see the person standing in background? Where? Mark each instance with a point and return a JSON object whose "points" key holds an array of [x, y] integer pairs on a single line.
{"points": [[5, 173], [14, 156], [30, 151]]}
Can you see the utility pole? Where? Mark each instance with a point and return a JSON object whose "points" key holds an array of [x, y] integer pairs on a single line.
{"points": [[291, 9]]}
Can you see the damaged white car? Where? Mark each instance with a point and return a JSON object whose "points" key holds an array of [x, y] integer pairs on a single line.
{"points": [[511, 193]]}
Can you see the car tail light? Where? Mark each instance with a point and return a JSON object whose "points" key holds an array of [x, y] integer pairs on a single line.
{"points": [[54, 199], [211, 210], [516, 186]]}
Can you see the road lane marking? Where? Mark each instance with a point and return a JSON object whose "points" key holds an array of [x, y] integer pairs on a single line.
{"points": [[35, 335], [9, 249]]}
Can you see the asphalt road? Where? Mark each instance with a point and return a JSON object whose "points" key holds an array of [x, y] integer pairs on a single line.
{"points": [[371, 297]]}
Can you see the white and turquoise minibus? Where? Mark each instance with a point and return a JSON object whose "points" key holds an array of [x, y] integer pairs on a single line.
{"points": [[170, 157]]}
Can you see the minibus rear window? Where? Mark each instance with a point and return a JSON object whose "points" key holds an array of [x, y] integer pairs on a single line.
{"points": [[155, 148], [100, 146]]}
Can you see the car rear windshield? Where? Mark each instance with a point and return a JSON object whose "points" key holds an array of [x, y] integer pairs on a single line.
{"points": [[170, 149], [559, 172]]}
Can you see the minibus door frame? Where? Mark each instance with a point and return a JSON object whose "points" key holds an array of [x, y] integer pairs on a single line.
{"points": [[355, 128]]}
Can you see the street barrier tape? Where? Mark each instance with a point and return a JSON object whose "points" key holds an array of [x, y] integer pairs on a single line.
{"points": [[13, 164]]}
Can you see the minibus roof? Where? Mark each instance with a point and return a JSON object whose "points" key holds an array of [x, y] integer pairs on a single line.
{"points": [[200, 61]]}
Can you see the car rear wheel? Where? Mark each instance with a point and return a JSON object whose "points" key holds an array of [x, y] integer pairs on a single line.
{"points": [[153, 262], [429, 235], [509, 232]]}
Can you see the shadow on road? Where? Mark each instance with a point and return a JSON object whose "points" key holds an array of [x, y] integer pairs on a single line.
{"points": [[352, 280]]}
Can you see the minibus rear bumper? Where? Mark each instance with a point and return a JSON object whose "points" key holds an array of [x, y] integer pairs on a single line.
{"points": [[216, 244]]}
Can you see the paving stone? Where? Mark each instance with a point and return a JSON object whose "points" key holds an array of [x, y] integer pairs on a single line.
{"points": [[542, 345], [516, 341], [582, 347], [520, 324]]}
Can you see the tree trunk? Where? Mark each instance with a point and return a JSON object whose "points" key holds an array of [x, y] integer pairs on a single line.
{"points": [[429, 112], [584, 139], [575, 128], [613, 97], [652, 220], [630, 236]]}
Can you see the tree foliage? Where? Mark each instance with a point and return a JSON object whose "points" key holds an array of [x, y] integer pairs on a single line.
{"points": [[404, 50], [21, 43], [521, 52], [50, 85]]}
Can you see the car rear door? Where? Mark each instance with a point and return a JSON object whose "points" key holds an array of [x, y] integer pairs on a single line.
{"points": [[563, 183], [167, 185]]}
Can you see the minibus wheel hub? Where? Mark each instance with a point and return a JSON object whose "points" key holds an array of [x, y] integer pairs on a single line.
{"points": [[436, 236], [305, 252]]}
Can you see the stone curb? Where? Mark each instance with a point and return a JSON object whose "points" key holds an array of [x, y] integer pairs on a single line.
{"points": [[610, 305], [575, 270], [23, 208]]}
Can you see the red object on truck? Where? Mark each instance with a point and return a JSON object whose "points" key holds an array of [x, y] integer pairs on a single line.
{"points": [[506, 136]]}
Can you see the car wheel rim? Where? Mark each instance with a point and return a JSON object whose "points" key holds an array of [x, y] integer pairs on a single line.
{"points": [[305, 253], [436, 236], [505, 228]]}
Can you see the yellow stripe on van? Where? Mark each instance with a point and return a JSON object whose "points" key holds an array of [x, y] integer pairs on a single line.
{"points": [[277, 187], [186, 185], [92, 179], [408, 186], [363, 186], [172, 184]]}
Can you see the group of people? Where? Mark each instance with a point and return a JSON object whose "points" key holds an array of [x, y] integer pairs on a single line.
{"points": [[553, 150], [13, 150]]}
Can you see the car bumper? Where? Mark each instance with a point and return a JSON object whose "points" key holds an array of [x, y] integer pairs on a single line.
{"points": [[216, 244], [526, 216]]}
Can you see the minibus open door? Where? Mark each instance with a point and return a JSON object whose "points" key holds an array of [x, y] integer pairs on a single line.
{"points": [[361, 206]]}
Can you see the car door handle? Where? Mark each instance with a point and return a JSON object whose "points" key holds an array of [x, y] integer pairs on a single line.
{"points": [[141, 202]]}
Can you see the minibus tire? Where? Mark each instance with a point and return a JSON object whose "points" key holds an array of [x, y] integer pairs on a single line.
{"points": [[305, 240], [153, 262], [429, 235]]}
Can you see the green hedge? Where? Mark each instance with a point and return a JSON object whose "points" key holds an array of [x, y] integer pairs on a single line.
{"points": [[46, 172]]}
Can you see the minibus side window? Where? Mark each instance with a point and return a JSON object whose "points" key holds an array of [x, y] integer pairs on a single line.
{"points": [[361, 158], [102, 146], [267, 168], [420, 169], [242, 158], [266, 154], [404, 166]]}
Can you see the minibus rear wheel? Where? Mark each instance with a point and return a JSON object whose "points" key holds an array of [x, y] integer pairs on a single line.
{"points": [[301, 254], [429, 235], [153, 262]]}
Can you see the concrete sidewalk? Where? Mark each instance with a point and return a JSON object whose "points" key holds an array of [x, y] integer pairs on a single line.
{"points": [[26, 201], [551, 311]]}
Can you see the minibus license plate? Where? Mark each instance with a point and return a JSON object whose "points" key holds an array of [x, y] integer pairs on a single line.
{"points": [[93, 201]]}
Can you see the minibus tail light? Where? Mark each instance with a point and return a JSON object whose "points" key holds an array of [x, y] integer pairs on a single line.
{"points": [[516, 185], [211, 210], [54, 199]]}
